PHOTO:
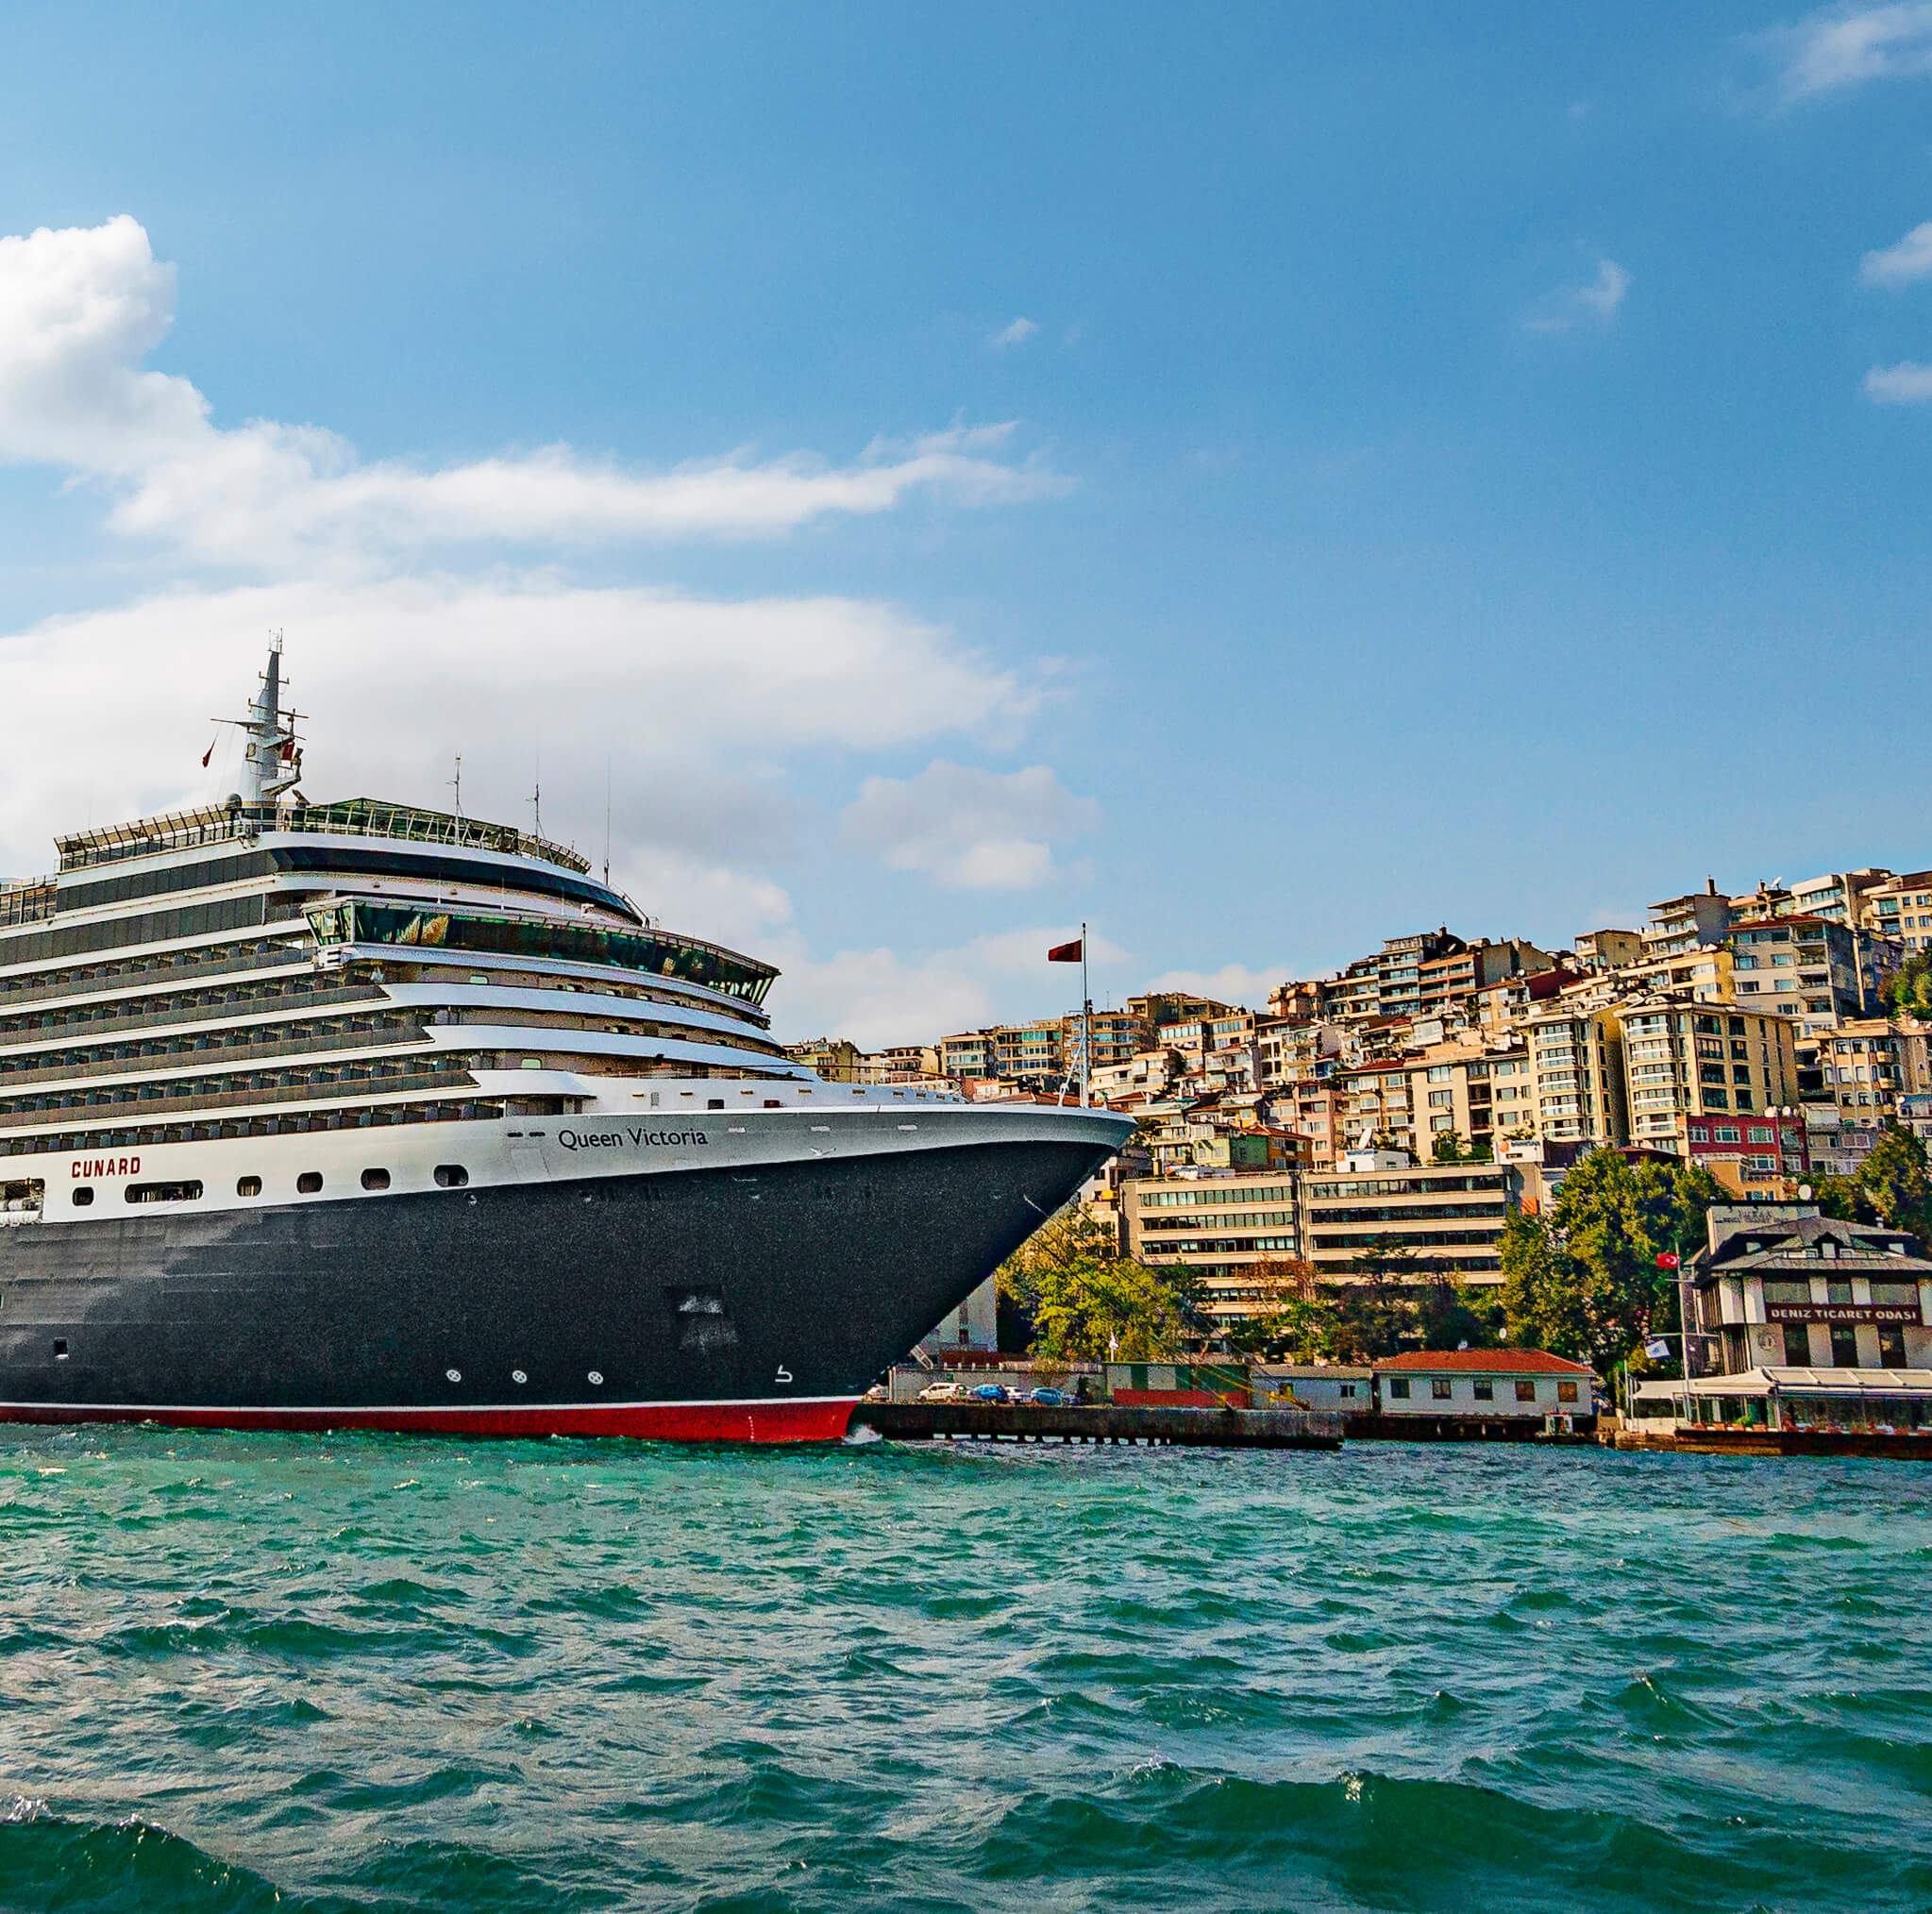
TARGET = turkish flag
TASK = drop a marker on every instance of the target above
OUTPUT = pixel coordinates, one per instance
(1669, 1260)
(1065, 953)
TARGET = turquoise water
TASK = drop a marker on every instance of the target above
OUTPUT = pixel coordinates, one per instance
(245, 1672)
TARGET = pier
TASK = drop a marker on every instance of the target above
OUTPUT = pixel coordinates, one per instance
(1157, 1428)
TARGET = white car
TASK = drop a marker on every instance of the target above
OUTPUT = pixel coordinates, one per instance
(942, 1392)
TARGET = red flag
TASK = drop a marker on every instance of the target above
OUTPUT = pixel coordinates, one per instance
(1669, 1260)
(288, 751)
(1065, 953)
(208, 754)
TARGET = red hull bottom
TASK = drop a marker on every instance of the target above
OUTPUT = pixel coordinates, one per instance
(768, 1421)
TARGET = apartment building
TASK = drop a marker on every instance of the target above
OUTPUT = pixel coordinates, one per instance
(1159, 1008)
(1576, 1063)
(1218, 1226)
(1114, 1036)
(836, 1059)
(1679, 925)
(1389, 983)
(1684, 1060)
(1445, 1218)
(1311, 1111)
(1291, 1050)
(1374, 1102)
(1863, 1077)
(1608, 950)
(1900, 909)
(1470, 1085)
(1816, 972)
(1447, 982)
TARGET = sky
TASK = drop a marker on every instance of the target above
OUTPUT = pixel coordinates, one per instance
(1255, 480)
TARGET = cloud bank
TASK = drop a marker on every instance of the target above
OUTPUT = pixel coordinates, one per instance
(1839, 48)
(81, 308)
(969, 828)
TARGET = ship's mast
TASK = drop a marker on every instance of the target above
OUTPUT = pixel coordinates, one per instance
(272, 762)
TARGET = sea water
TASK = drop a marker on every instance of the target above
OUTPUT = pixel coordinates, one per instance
(244, 1672)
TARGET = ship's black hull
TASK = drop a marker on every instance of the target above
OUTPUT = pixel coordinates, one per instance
(748, 1304)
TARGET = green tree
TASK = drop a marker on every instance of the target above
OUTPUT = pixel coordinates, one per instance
(1291, 1318)
(1448, 1317)
(1841, 1196)
(1585, 1282)
(1908, 992)
(1088, 1302)
(1372, 1311)
(1449, 1147)
(1894, 1177)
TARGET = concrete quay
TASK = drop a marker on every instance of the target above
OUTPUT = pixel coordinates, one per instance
(1102, 1423)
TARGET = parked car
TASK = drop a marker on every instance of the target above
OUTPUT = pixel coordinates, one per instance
(942, 1392)
(992, 1392)
(877, 1393)
(1050, 1399)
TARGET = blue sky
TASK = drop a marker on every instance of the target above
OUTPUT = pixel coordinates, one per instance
(1257, 479)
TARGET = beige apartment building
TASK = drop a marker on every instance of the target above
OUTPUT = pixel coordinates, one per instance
(1608, 950)
(1576, 1060)
(1678, 925)
(1218, 1226)
(1449, 1219)
(1447, 982)
(1683, 1059)
(1481, 1089)
(1900, 908)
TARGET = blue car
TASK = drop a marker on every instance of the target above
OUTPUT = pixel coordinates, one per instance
(1050, 1398)
(991, 1392)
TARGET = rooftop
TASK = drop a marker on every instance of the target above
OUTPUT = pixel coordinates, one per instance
(1499, 1361)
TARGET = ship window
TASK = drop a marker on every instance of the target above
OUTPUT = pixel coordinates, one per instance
(375, 1179)
(60, 1341)
(163, 1192)
(248, 1185)
(82, 1197)
(308, 1182)
(451, 1175)
(713, 1102)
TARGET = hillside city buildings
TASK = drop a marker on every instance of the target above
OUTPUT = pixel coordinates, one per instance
(1412, 1101)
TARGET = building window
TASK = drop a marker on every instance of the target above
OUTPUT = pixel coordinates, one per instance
(1797, 1346)
(1566, 1392)
(1844, 1347)
(1439, 1388)
(1485, 1389)
(1892, 1345)
(1525, 1392)
(1399, 1387)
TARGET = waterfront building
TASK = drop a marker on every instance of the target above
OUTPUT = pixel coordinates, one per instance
(1499, 1384)
(1445, 1218)
(1337, 1389)
(1799, 1320)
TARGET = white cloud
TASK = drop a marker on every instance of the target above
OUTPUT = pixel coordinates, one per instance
(1016, 334)
(1844, 46)
(1231, 983)
(1899, 265)
(1905, 384)
(81, 308)
(697, 707)
(1595, 304)
(876, 998)
(969, 828)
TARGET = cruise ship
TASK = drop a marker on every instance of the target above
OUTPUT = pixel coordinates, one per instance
(362, 1116)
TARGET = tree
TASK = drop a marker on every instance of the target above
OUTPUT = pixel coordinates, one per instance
(1585, 1282)
(1088, 1302)
(1908, 992)
(1371, 1312)
(1291, 1318)
(1448, 1146)
(1894, 1177)
(1843, 1198)
(1447, 1316)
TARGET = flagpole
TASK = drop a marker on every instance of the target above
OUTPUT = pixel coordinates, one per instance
(1087, 1005)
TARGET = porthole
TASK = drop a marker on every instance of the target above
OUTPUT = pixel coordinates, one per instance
(59, 1349)
(375, 1179)
(308, 1182)
(518, 1377)
(451, 1176)
(597, 1379)
(248, 1185)
(452, 1375)
(82, 1197)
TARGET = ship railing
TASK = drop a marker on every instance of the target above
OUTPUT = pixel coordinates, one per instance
(134, 1018)
(14, 994)
(31, 901)
(216, 1057)
(122, 1111)
(350, 817)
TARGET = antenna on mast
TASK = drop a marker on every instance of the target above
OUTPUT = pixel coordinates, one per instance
(272, 761)
(607, 820)
(537, 793)
(457, 781)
